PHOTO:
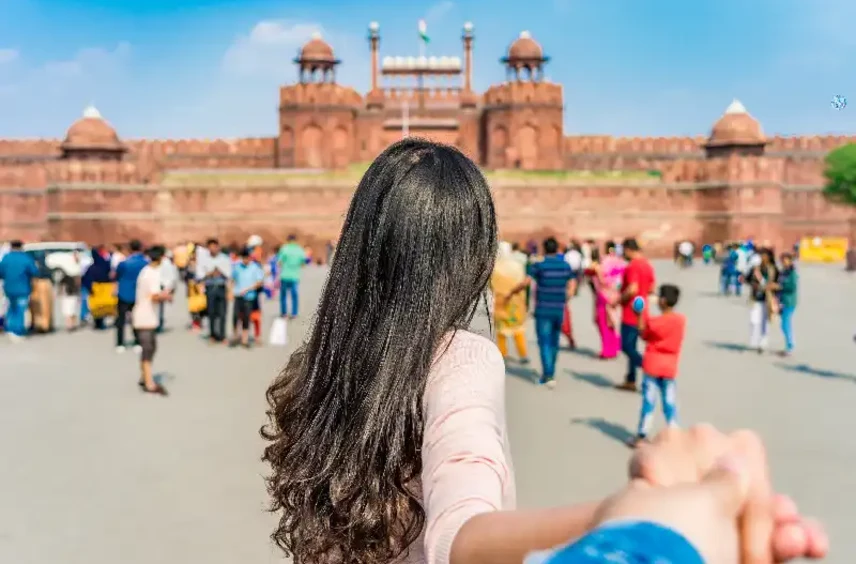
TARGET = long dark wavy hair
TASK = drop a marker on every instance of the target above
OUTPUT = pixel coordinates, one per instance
(345, 421)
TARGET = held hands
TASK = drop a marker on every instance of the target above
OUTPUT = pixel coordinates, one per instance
(715, 489)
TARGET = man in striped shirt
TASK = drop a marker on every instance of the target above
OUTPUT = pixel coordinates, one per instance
(555, 282)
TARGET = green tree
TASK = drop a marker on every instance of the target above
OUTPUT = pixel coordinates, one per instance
(840, 174)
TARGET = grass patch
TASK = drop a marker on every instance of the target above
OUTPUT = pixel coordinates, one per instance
(355, 171)
(575, 175)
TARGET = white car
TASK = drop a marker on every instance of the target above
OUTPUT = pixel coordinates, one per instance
(58, 257)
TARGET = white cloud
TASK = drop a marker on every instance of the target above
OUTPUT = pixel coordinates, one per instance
(8, 55)
(439, 11)
(266, 52)
(268, 46)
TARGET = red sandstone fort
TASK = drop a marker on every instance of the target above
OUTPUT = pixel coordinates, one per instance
(97, 187)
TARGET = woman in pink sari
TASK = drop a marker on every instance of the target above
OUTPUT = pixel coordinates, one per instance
(606, 281)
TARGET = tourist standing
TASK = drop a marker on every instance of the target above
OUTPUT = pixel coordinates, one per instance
(169, 282)
(148, 292)
(69, 293)
(98, 272)
(686, 250)
(291, 259)
(762, 279)
(519, 256)
(554, 283)
(214, 270)
(728, 273)
(788, 283)
(17, 270)
(117, 256)
(255, 246)
(247, 280)
(574, 258)
(742, 264)
(605, 276)
(509, 314)
(126, 274)
(664, 337)
(707, 253)
(638, 281)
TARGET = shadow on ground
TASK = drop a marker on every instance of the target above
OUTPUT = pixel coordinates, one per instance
(733, 347)
(585, 351)
(522, 372)
(598, 380)
(612, 430)
(816, 372)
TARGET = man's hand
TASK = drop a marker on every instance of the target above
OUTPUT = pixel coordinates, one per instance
(771, 528)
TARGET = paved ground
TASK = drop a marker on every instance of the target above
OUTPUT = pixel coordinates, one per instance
(93, 472)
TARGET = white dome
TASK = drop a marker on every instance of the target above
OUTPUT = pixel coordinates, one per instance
(91, 112)
(432, 61)
(422, 61)
(399, 61)
(455, 62)
(388, 62)
(410, 61)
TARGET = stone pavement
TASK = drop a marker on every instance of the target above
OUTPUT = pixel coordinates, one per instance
(94, 472)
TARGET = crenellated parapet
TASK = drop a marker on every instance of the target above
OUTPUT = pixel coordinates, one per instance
(29, 150)
(604, 144)
(519, 93)
(319, 95)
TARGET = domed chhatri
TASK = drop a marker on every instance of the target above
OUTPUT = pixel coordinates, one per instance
(736, 127)
(92, 135)
(525, 59)
(316, 50)
(316, 59)
(525, 49)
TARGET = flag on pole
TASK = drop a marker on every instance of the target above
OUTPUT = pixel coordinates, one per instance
(423, 32)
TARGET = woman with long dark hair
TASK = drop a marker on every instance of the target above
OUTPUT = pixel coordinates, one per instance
(387, 435)
(387, 426)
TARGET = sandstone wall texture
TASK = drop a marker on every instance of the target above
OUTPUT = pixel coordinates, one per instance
(703, 201)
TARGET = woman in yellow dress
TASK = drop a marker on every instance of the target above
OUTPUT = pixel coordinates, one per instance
(509, 313)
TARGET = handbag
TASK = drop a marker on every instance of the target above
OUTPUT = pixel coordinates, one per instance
(278, 336)
(197, 302)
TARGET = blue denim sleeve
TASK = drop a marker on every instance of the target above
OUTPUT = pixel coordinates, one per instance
(626, 542)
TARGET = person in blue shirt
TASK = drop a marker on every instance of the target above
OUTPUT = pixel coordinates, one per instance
(17, 270)
(728, 270)
(127, 273)
(707, 253)
(555, 283)
(247, 280)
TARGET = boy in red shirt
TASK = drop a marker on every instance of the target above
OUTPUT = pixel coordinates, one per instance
(664, 335)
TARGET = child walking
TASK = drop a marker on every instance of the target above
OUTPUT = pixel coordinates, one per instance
(664, 335)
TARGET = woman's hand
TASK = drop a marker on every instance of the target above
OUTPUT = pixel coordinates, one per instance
(706, 513)
(771, 528)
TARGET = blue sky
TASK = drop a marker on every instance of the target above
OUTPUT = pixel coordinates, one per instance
(211, 68)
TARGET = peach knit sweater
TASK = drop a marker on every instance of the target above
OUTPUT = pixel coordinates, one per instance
(466, 463)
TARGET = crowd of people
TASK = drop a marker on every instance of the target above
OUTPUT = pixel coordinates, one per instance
(132, 285)
(773, 288)
(387, 438)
